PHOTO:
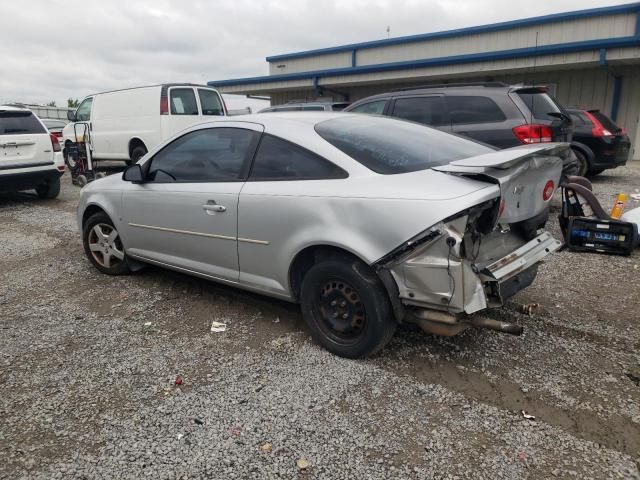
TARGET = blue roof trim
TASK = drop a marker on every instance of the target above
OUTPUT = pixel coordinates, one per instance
(432, 62)
(492, 27)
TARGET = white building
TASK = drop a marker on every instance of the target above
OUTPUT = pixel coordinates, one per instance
(590, 58)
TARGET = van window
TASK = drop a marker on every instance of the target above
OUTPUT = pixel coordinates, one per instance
(316, 108)
(183, 102)
(473, 109)
(83, 113)
(210, 155)
(374, 108)
(210, 102)
(425, 110)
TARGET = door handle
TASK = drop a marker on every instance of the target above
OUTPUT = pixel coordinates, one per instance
(211, 208)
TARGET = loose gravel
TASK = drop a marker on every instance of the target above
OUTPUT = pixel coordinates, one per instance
(120, 377)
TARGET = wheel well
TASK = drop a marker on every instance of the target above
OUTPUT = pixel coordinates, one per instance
(136, 142)
(584, 150)
(307, 258)
(91, 210)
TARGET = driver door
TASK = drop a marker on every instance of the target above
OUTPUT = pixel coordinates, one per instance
(185, 213)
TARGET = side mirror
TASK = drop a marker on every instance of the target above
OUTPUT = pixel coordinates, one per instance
(71, 115)
(133, 174)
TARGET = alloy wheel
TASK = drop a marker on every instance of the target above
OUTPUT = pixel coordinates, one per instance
(105, 245)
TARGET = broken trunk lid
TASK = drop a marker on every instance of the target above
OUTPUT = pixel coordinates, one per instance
(527, 176)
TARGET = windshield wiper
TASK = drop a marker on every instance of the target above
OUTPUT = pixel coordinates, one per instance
(560, 115)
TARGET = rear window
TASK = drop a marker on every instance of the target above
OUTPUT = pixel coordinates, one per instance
(210, 102)
(606, 122)
(540, 105)
(473, 109)
(389, 146)
(336, 107)
(19, 123)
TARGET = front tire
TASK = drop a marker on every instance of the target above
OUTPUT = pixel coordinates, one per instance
(50, 190)
(103, 245)
(347, 308)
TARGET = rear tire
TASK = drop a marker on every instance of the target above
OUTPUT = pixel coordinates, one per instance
(137, 153)
(583, 163)
(103, 247)
(49, 191)
(347, 308)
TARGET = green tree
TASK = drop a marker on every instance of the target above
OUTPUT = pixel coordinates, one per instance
(73, 102)
(51, 104)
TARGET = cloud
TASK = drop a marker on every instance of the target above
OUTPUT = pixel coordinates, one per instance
(56, 49)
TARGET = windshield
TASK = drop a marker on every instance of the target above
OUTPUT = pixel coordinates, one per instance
(391, 146)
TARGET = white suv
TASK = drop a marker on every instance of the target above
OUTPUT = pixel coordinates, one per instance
(30, 156)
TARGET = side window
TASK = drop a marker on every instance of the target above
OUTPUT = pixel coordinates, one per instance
(278, 159)
(372, 108)
(315, 108)
(183, 102)
(474, 110)
(425, 110)
(287, 109)
(83, 113)
(210, 102)
(215, 154)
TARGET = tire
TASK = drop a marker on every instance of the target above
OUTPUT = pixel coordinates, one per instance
(137, 153)
(105, 252)
(597, 171)
(347, 308)
(49, 191)
(583, 163)
(67, 159)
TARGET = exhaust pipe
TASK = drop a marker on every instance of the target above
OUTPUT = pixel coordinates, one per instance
(504, 327)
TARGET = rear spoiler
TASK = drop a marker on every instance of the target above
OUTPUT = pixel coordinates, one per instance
(531, 89)
(503, 159)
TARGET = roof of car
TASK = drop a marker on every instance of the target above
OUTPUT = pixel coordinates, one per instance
(8, 108)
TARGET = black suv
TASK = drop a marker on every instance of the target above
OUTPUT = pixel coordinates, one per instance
(493, 113)
(597, 141)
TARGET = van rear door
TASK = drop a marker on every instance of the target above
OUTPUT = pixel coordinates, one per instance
(182, 111)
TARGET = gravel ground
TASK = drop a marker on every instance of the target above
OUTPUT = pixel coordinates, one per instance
(88, 368)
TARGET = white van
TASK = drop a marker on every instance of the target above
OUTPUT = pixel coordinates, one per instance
(125, 124)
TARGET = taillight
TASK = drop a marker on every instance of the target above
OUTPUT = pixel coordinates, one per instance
(533, 133)
(598, 130)
(164, 106)
(548, 190)
(501, 207)
(57, 134)
(55, 143)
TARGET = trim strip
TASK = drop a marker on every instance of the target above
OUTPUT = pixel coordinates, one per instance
(25, 165)
(558, 48)
(200, 234)
(491, 27)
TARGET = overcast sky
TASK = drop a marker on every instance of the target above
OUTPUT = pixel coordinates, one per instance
(56, 49)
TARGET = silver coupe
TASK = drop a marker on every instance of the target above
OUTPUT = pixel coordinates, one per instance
(366, 221)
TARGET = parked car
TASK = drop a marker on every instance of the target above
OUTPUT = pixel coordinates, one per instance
(125, 124)
(54, 126)
(598, 142)
(307, 106)
(494, 113)
(30, 156)
(365, 221)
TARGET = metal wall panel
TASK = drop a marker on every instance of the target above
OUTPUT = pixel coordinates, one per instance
(307, 64)
(608, 26)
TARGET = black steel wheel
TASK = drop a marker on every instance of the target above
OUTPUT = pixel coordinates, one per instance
(347, 308)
